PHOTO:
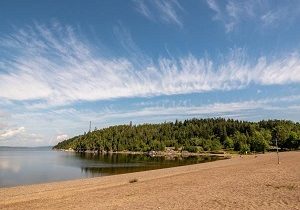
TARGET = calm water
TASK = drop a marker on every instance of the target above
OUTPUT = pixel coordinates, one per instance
(20, 166)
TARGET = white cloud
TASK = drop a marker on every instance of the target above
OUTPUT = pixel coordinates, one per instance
(160, 10)
(23, 86)
(142, 8)
(165, 108)
(11, 132)
(215, 7)
(168, 109)
(126, 41)
(76, 121)
(61, 137)
(269, 18)
(232, 13)
(19, 136)
(55, 68)
(214, 109)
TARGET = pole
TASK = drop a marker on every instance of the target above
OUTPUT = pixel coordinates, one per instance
(277, 152)
(90, 126)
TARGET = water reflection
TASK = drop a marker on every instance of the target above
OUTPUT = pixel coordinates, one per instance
(22, 166)
(126, 163)
(9, 166)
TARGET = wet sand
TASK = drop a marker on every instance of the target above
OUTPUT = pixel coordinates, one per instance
(248, 182)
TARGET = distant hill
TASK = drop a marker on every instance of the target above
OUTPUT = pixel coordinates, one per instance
(194, 135)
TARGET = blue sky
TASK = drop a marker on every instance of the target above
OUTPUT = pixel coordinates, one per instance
(65, 63)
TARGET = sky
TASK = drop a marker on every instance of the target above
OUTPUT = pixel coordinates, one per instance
(65, 63)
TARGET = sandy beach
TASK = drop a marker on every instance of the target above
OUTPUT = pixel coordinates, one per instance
(247, 182)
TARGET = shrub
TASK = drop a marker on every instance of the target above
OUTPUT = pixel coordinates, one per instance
(228, 143)
(244, 148)
(191, 149)
(258, 142)
(215, 145)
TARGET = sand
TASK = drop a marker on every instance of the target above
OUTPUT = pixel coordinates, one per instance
(248, 182)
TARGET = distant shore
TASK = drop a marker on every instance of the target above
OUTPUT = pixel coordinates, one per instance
(243, 182)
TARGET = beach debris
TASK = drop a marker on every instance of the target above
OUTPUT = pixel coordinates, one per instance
(133, 180)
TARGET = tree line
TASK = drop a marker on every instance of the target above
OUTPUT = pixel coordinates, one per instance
(194, 135)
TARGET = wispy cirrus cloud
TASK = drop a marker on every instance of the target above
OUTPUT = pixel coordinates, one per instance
(184, 109)
(51, 66)
(75, 121)
(270, 17)
(143, 9)
(71, 118)
(162, 11)
(232, 12)
(124, 37)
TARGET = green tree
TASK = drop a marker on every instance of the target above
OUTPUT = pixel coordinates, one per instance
(239, 139)
(293, 141)
(229, 143)
(258, 142)
(280, 133)
(206, 134)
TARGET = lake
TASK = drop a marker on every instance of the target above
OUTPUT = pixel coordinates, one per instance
(22, 166)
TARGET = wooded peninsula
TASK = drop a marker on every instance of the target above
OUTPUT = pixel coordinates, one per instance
(194, 135)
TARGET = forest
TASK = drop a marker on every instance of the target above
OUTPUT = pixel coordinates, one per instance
(193, 135)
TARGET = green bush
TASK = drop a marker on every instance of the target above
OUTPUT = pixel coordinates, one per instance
(245, 148)
(193, 149)
(258, 142)
(228, 143)
(157, 146)
(215, 145)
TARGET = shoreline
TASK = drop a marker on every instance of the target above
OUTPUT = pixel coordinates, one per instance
(170, 153)
(252, 181)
